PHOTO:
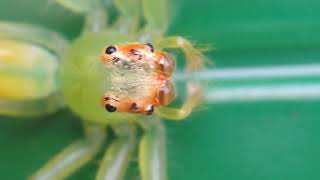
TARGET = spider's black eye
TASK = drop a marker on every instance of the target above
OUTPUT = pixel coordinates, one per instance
(150, 110)
(151, 46)
(134, 106)
(110, 50)
(110, 108)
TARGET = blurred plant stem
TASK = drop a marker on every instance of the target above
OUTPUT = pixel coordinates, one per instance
(251, 84)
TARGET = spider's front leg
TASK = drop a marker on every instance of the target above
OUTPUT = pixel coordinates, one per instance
(74, 156)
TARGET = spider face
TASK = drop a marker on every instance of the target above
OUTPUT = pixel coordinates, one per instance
(139, 78)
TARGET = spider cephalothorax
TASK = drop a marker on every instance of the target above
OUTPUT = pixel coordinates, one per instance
(139, 78)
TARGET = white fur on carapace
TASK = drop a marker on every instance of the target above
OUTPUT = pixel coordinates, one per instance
(130, 77)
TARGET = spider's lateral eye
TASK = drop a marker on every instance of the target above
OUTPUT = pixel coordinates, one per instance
(110, 108)
(151, 46)
(134, 106)
(150, 110)
(110, 50)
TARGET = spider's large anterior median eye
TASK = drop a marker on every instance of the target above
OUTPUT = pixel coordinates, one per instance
(110, 50)
(151, 47)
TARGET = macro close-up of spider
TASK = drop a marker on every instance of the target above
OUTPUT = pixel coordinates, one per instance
(159, 89)
(118, 89)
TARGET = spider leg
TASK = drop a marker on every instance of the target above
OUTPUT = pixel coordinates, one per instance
(95, 16)
(152, 153)
(193, 100)
(78, 6)
(156, 14)
(130, 12)
(74, 156)
(117, 158)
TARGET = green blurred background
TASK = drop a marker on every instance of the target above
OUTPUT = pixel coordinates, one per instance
(275, 140)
